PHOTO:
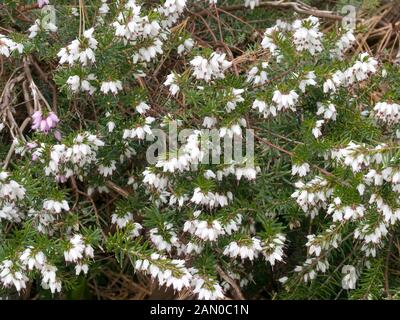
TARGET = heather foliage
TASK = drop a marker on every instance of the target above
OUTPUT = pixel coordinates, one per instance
(312, 211)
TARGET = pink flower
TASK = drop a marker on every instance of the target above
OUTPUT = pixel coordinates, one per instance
(42, 3)
(57, 135)
(44, 124)
(61, 178)
(31, 145)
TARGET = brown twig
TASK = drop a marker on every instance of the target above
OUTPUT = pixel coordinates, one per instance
(117, 189)
(235, 287)
(291, 154)
(296, 6)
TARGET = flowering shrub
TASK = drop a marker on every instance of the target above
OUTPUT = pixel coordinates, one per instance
(314, 209)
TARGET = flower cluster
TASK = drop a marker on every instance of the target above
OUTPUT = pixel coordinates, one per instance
(95, 176)
(80, 50)
(65, 161)
(79, 252)
(211, 68)
(41, 26)
(8, 46)
(11, 192)
(44, 124)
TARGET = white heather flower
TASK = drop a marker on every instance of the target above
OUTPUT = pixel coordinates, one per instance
(142, 107)
(49, 278)
(174, 162)
(264, 109)
(300, 170)
(104, 9)
(236, 98)
(207, 289)
(75, 12)
(81, 153)
(283, 280)
(178, 200)
(285, 101)
(76, 250)
(107, 170)
(81, 268)
(233, 224)
(89, 251)
(4, 175)
(371, 234)
(340, 212)
(211, 199)
(111, 126)
(172, 9)
(247, 172)
(140, 131)
(252, 3)
(329, 111)
(10, 212)
(307, 36)
(313, 248)
(178, 277)
(311, 267)
(361, 70)
(41, 25)
(388, 113)
(130, 25)
(345, 42)
(234, 129)
(350, 278)
(309, 80)
(172, 83)
(338, 78)
(155, 180)
(209, 122)
(268, 40)
(81, 50)
(208, 231)
(361, 189)
(160, 242)
(210, 69)
(245, 251)
(313, 195)
(55, 206)
(356, 157)
(329, 85)
(257, 75)
(111, 86)
(149, 53)
(373, 177)
(325, 241)
(121, 220)
(76, 84)
(32, 259)
(136, 228)
(186, 46)
(11, 274)
(272, 248)
(7, 46)
(190, 248)
(316, 131)
(209, 174)
(12, 191)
